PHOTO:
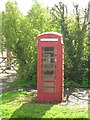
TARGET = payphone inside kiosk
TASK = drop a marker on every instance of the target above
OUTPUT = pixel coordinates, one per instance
(50, 68)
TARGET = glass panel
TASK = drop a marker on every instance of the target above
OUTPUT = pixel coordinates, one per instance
(48, 48)
(48, 65)
(48, 55)
(49, 90)
(48, 72)
(49, 78)
(49, 84)
(52, 60)
(48, 60)
(48, 69)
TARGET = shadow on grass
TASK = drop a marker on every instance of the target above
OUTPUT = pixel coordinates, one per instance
(31, 110)
(10, 96)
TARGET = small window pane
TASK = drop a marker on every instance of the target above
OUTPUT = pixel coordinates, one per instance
(48, 55)
(49, 90)
(52, 60)
(48, 65)
(48, 72)
(48, 78)
(48, 48)
(49, 84)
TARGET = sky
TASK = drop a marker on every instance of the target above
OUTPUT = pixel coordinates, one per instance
(25, 5)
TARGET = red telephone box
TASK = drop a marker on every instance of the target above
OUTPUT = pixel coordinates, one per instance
(50, 68)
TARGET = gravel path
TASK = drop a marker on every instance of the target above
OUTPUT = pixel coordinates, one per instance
(6, 79)
(76, 97)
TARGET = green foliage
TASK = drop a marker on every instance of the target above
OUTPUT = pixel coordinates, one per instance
(22, 84)
(71, 84)
(74, 30)
(19, 36)
(84, 83)
(21, 40)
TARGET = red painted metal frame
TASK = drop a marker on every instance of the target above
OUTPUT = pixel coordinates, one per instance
(58, 95)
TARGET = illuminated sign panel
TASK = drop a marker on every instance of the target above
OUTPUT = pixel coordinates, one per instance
(48, 39)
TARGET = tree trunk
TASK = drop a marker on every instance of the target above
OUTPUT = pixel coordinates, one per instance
(8, 65)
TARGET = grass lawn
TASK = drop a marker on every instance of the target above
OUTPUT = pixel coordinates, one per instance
(22, 104)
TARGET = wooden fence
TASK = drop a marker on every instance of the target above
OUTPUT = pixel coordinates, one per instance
(8, 67)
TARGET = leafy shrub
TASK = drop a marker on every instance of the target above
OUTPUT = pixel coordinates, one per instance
(71, 84)
(85, 83)
(19, 34)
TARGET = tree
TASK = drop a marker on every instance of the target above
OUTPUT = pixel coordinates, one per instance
(21, 37)
(20, 33)
(0, 30)
(74, 28)
(9, 29)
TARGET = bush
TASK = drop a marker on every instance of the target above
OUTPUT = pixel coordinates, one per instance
(85, 83)
(27, 59)
(71, 84)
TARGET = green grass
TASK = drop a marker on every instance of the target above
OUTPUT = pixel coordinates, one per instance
(22, 104)
(21, 83)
